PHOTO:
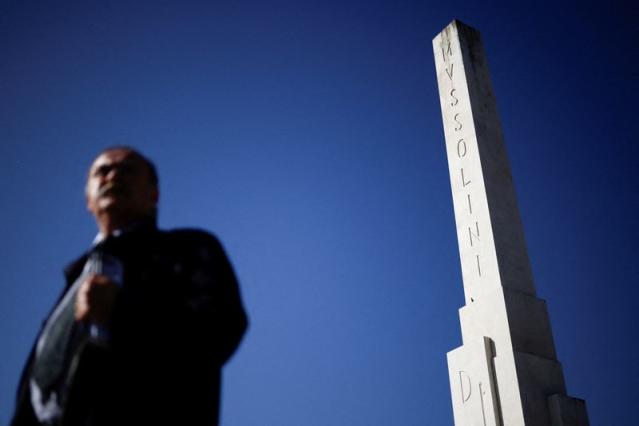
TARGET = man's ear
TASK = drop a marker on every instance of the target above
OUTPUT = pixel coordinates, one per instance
(86, 199)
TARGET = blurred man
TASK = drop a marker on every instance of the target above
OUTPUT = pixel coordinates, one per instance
(146, 320)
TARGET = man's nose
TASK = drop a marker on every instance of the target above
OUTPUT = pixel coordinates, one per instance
(111, 175)
(114, 173)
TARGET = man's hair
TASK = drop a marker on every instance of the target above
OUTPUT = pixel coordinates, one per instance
(151, 169)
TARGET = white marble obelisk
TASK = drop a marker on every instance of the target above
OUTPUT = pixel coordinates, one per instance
(506, 371)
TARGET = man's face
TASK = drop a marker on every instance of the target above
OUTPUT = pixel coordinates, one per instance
(119, 185)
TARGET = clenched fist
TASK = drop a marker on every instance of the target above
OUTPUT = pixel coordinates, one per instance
(95, 299)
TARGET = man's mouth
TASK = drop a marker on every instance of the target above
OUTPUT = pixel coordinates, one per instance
(110, 189)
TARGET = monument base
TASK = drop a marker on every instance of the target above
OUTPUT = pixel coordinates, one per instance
(474, 374)
(567, 411)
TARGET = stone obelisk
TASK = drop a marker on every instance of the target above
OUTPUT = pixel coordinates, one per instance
(506, 372)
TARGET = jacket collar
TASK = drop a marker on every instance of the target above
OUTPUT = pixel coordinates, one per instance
(141, 224)
(74, 269)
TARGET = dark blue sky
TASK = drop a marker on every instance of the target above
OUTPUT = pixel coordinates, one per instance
(308, 137)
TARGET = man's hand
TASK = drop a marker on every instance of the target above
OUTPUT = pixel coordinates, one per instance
(95, 299)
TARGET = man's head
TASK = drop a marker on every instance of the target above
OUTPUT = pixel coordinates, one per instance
(122, 187)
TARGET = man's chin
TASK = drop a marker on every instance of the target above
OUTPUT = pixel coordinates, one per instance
(110, 205)
(107, 201)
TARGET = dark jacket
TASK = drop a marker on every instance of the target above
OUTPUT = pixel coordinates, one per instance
(177, 319)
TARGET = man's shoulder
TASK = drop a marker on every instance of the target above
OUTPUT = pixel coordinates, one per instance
(190, 237)
(188, 245)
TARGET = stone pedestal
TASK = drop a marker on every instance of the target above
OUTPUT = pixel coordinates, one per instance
(506, 372)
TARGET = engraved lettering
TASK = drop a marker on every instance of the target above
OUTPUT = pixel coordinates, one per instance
(465, 385)
(478, 266)
(450, 52)
(456, 101)
(450, 73)
(464, 182)
(470, 206)
(461, 148)
(458, 122)
(471, 234)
